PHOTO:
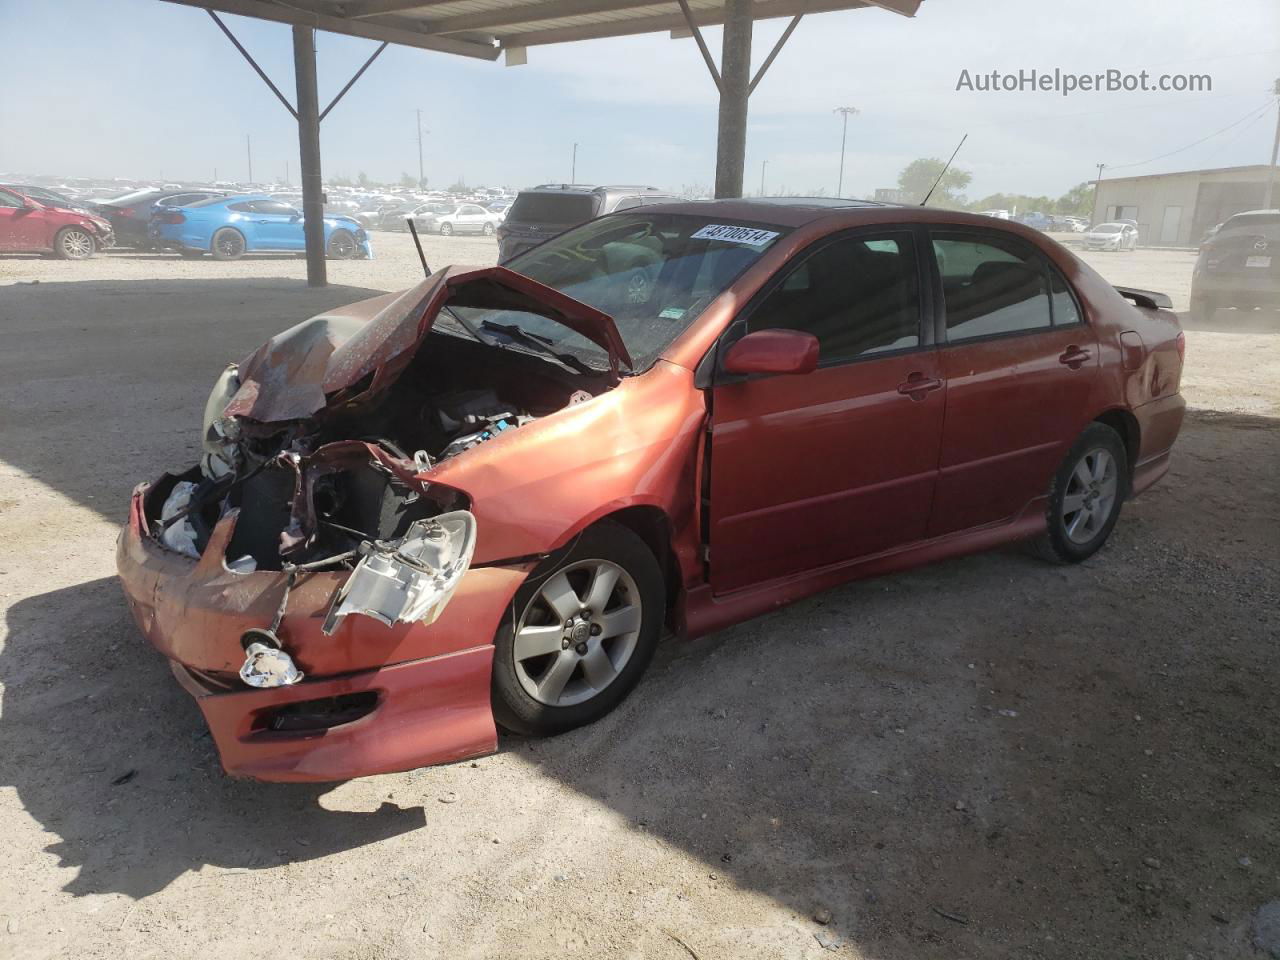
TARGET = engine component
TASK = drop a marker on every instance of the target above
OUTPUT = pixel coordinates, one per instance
(411, 579)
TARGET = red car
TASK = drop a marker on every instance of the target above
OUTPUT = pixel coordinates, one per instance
(28, 225)
(486, 498)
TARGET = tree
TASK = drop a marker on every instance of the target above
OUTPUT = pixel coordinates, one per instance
(362, 178)
(918, 177)
(1078, 201)
(408, 181)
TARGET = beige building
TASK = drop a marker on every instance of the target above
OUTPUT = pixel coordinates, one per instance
(1175, 209)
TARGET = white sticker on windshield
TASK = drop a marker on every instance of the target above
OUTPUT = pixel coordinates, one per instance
(732, 234)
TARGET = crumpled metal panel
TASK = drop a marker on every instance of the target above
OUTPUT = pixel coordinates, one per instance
(297, 373)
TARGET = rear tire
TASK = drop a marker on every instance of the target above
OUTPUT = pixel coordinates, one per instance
(72, 243)
(553, 668)
(1085, 496)
(1202, 309)
(228, 244)
(446, 230)
(488, 230)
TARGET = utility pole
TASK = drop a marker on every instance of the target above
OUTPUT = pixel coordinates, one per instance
(845, 113)
(763, 165)
(573, 166)
(1094, 218)
(1275, 150)
(248, 149)
(422, 179)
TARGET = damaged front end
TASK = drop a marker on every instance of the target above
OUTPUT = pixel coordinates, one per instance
(307, 576)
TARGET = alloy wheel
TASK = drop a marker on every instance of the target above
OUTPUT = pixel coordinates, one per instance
(77, 245)
(342, 246)
(577, 633)
(1090, 495)
(230, 244)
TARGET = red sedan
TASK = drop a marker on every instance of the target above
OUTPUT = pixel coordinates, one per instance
(487, 497)
(29, 225)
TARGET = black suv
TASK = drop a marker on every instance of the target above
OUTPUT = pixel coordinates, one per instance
(542, 212)
(1239, 266)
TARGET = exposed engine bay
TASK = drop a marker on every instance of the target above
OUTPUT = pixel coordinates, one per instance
(310, 493)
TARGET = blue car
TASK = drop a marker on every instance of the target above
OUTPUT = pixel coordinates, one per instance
(230, 227)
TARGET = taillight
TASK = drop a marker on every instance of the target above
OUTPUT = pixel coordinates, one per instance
(1181, 344)
(172, 217)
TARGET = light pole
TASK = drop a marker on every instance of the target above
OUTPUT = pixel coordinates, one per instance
(845, 113)
(422, 179)
(763, 165)
(248, 149)
(1275, 150)
(573, 165)
(1093, 214)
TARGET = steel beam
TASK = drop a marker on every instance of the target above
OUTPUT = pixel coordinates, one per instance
(400, 32)
(773, 54)
(735, 83)
(304, 65)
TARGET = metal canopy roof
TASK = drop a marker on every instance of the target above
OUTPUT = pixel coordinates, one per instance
(485, 28)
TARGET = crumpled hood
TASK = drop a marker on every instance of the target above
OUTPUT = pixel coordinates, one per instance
(362, 349)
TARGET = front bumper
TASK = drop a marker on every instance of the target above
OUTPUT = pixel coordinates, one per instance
(430, 684)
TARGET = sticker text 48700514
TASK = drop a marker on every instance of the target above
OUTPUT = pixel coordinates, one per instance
(733, 234)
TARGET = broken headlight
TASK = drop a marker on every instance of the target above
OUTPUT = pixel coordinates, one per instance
(220, 433)
(410, 579)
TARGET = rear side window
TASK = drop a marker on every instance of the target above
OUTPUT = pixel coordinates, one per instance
(552, 208)
(243, 206)
(859, 296)
(993, 286)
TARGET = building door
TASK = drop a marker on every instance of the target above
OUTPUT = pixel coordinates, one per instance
(1171, 224)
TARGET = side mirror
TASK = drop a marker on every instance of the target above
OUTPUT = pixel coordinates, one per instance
(773, 351)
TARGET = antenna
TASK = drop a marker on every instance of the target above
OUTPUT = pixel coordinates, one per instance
(418, 243)
(945, 168)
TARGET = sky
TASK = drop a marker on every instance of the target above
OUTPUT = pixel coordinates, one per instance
(147, 89)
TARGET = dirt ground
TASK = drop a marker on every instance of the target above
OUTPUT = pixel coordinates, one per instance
(987, 758)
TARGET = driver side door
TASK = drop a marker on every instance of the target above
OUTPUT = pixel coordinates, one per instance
(277, 226)
(818, 469)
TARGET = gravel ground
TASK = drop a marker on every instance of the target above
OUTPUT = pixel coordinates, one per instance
(990, 757)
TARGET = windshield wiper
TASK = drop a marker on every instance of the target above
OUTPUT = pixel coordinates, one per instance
(466, 325)
(539, 343)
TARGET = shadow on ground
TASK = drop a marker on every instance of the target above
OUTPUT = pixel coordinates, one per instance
(991, 757)
(110, 384)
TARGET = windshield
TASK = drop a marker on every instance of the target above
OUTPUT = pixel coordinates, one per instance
(652, 273)
(1107, 228)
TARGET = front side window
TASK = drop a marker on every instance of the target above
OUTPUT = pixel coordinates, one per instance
(859, 296)
(9, 200)
(991, 286)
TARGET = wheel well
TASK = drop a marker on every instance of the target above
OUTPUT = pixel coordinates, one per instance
(1126, 424)
(652, 526)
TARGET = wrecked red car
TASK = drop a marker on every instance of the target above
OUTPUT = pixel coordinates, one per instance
(484, 499)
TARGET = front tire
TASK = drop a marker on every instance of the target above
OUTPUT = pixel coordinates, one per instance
(228, 244)
(1085, 496)
(342, 245)
(72, 243)
(446, 230)
(585, 628)
(488, 230)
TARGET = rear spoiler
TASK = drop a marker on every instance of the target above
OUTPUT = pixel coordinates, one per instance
(1146, 298)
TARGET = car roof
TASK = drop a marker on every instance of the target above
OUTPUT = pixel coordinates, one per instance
(798, 211)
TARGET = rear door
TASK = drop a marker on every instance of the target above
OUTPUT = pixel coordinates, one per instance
(471, 218)
(1020, 365)
(816, 469)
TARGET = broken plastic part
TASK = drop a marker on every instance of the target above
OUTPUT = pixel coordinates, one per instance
(220, 433)
(265, 664)
(411, 579)
(180, 534)
(245, 564)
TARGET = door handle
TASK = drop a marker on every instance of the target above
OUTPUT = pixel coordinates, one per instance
(1074, 357)
(917, 385)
